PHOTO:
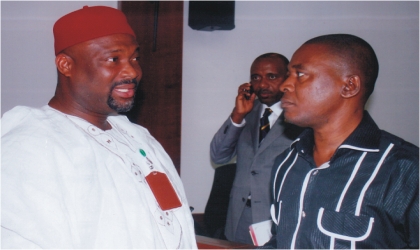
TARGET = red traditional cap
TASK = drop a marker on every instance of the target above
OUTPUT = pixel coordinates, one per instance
(87, 24)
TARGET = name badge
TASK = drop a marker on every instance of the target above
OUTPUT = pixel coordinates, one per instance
(163, 190)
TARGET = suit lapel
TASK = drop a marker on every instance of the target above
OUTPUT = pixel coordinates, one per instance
(274, 133)
(254, 120)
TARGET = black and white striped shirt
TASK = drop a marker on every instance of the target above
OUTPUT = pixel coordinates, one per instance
(366, 196)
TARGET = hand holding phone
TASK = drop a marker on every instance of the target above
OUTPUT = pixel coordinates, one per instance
(250, 91)
(243, 103)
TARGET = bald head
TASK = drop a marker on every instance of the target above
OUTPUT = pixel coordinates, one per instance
(356, 53)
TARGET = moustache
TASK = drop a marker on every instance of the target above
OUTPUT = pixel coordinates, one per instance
(263, 91)
(125, 82)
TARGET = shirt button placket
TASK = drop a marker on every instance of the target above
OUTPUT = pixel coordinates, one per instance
(314, 173)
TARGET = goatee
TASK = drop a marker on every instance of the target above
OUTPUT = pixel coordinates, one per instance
(118, 106)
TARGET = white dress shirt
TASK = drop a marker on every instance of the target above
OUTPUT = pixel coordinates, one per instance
(272, 118)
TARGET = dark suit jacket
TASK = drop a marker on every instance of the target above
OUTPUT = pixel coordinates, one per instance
(254, 163)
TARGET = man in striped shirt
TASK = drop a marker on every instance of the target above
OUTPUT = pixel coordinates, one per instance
(344, 183)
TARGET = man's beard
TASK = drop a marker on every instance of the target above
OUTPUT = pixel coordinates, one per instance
(121, 107)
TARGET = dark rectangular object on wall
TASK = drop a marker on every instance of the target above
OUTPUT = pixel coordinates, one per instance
(211, 15)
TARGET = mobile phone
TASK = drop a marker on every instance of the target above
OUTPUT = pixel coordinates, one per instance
(250, 91)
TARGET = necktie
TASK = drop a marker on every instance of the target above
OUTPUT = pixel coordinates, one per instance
(264, 123)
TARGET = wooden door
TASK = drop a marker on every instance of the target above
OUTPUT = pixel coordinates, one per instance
(158, 26)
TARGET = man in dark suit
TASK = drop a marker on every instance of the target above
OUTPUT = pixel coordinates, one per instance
(255, 133)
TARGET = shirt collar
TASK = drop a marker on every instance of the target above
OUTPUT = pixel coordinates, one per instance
(364, 138)
(275, 108)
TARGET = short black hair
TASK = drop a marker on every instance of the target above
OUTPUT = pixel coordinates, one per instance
(274, 55)
(358, 54)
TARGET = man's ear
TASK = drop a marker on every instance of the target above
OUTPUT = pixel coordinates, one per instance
(64, 64)
(351, 87)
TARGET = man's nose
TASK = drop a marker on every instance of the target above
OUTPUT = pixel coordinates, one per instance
(263, 83)
(286, 85)
(132, 71)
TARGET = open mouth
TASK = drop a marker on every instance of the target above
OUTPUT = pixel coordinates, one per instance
(124, 91)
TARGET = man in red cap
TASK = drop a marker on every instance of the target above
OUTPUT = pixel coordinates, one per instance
(75, 173)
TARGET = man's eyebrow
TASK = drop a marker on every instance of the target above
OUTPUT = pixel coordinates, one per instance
(297, 66)
(114, 50)
(137, 50)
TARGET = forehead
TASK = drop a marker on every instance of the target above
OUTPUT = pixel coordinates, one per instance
(116, 42)
(313, 54)
(270, 63)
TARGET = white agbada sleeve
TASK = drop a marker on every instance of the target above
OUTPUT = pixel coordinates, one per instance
(61, 190)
